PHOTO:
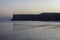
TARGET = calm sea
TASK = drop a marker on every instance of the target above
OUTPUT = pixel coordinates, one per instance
(29, 30)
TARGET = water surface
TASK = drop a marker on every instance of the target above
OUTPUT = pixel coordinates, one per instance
(29, 30)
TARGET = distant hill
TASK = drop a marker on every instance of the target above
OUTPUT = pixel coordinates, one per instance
(40, 17)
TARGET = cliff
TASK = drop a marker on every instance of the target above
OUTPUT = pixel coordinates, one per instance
(39, 17)
(24, 17)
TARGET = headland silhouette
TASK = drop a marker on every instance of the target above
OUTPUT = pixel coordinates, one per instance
(47, 16)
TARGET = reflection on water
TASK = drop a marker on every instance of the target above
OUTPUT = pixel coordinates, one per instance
(24, 27)
(30, 30)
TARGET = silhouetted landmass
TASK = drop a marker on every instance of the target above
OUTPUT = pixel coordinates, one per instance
(40, 17)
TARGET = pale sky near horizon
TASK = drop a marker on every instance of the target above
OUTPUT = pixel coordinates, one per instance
(9, 7)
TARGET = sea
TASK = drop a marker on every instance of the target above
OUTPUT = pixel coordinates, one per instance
(29, 30)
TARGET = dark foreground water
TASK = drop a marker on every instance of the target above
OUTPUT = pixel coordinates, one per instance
(29, 30)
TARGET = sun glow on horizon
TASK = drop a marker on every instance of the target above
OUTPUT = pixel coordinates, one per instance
(9, 7)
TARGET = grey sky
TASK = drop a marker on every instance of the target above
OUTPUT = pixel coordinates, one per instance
(9, 7)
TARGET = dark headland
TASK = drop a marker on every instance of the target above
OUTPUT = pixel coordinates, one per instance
(39, 17)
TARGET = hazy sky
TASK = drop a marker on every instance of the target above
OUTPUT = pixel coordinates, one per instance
(8, 7)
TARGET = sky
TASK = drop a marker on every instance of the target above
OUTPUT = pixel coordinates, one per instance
(10, 7)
